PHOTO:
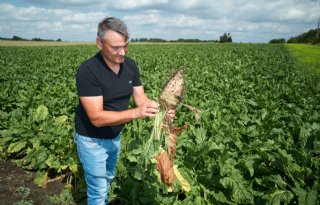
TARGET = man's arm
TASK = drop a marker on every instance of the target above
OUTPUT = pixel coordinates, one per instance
(100, 118)
(140, 98)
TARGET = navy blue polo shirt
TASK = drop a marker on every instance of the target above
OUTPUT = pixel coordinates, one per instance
(95, 78)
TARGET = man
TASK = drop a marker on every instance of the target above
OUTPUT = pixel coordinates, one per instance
(105, 84)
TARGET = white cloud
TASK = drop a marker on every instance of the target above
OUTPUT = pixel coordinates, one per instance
(134, 4)
(170, 19)
(64, 3)
(30, 22)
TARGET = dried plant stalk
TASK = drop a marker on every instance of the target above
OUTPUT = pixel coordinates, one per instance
(170, 97)
(173, 90)
(165, 167)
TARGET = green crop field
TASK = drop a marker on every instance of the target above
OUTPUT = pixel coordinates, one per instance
(257, 141)
(307, 54)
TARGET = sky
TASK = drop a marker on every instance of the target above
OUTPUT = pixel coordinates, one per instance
(255, 21)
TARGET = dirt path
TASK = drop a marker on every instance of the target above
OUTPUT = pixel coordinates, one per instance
(15, 183)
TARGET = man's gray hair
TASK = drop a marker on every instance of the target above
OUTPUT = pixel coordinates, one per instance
(114, 24)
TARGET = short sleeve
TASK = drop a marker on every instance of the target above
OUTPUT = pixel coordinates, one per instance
(136, 78)
(86, 82)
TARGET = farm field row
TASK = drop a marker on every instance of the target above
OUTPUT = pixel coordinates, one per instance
(257, 141)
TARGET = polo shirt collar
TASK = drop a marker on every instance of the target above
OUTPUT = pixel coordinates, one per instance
(101, 59)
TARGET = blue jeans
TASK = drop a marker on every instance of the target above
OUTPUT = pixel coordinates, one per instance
(99, 158)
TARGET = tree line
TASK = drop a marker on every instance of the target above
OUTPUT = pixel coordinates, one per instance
(225, 38)
(159, 40)
(17, 38)
(311, 37)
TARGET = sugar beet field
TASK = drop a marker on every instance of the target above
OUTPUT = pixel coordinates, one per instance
(257, 141)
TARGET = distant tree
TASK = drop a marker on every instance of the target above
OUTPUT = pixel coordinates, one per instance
(36, 39)
(143, 40)
(292, 40)
(17, 38)
(3, 38)
(156, 40)
(279, 40)
(59, 40)
(310, 36)
(190, 40)
(225, 38)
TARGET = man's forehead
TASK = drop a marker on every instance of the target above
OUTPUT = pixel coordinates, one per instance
(114, 34)
(115, 44)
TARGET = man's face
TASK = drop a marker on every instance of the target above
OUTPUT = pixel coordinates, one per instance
(114, 47)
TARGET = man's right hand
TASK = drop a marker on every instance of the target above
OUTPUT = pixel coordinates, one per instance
(147, 109)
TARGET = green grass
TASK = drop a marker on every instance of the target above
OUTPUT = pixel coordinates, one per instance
(307, 54)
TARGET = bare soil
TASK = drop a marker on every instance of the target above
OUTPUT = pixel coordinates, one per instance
(14, 178)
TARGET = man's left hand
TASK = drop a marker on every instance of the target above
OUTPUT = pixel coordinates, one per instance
(171, 114)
